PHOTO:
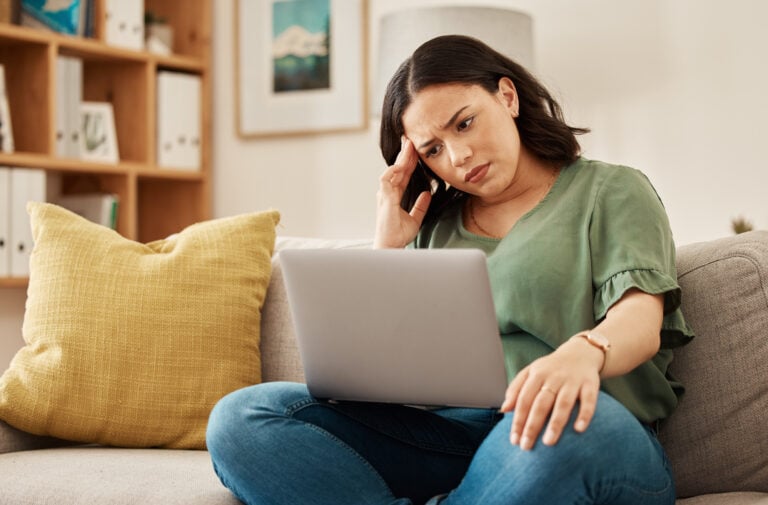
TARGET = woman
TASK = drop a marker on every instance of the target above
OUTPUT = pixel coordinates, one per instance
(582, 269)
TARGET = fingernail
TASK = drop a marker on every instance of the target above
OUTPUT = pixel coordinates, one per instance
(580, 425)
(526, 444)
(549, 438)
(514, 439)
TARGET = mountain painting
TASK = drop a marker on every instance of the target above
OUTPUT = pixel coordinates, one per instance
(301, 45)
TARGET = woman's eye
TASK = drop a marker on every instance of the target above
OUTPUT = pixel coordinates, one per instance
(434, 151)
(465, 124)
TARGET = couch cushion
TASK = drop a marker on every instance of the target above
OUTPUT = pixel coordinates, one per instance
(726, 499)
(132, 344)
(79, 475)
(716, 440)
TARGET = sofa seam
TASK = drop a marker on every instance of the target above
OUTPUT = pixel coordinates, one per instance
(756, 264)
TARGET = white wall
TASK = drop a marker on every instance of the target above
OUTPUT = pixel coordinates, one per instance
(676, 88)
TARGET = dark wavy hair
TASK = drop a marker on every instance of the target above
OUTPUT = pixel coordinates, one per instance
(465, 60)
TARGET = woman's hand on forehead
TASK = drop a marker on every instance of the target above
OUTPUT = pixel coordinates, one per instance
(394, 226)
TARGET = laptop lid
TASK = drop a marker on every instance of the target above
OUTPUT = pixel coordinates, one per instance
(396, 326)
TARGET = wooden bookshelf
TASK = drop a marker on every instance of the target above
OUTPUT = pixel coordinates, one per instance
(154, 202)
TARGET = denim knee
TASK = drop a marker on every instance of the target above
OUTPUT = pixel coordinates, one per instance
(236, 416)
(612, 425)
(263, 453)
(615, 455)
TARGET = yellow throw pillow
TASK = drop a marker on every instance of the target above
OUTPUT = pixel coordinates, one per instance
(132, 344)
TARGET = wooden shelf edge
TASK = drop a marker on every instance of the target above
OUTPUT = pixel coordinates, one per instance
(88, 47)
(34, 160)
(16, 32)
(13, 282)
(173, 174)
(178, 62)
(142, 170)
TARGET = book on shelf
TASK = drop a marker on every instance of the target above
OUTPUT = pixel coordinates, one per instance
(63, 16)
(100, 208)
(88, 29)
(6, 130)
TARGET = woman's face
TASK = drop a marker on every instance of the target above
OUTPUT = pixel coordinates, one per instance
(466, 135)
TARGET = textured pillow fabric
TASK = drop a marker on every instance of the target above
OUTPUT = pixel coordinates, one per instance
(132, 344)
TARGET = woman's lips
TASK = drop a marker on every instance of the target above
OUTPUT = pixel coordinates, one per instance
(476, 174)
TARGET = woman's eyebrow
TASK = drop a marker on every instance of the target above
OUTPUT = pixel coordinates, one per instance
(446, 125)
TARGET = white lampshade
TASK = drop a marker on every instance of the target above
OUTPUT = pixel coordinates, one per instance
(508, 31)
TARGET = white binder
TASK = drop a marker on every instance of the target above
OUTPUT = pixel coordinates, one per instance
(69, 92)
(62, 97)
(178, 121)
(124, 24)
(27, 184)
(5, 222)
(75, 97)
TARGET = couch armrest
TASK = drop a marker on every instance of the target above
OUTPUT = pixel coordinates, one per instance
(13, 440)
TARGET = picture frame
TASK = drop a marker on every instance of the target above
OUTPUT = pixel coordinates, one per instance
(300, 66)
(98, 139)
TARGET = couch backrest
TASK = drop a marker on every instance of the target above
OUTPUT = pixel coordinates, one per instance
(278, 340)
(717, 440)
(280, 355)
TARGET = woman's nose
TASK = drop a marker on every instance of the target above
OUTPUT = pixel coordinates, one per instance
(459, 153)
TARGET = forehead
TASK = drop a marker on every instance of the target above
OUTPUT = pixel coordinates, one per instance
(434, 105)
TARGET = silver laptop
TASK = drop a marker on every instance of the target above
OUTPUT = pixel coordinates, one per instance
(414, 327)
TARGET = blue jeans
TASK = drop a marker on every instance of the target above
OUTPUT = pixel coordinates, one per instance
(275, 444)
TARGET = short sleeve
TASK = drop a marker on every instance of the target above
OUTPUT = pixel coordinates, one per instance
(632, 247)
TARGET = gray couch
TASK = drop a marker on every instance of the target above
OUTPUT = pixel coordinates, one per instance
(717, 440)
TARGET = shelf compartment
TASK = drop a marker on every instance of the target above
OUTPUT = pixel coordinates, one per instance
(70, 183)
(124, 84)
(191, 24)
(167, 206)
(27, 80)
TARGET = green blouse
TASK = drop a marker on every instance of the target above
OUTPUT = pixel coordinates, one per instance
(600, 231)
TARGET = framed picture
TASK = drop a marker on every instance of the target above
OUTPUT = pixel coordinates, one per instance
(301, 66)
(98, 140)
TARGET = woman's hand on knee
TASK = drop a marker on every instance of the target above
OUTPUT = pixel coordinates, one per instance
(549, 388)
